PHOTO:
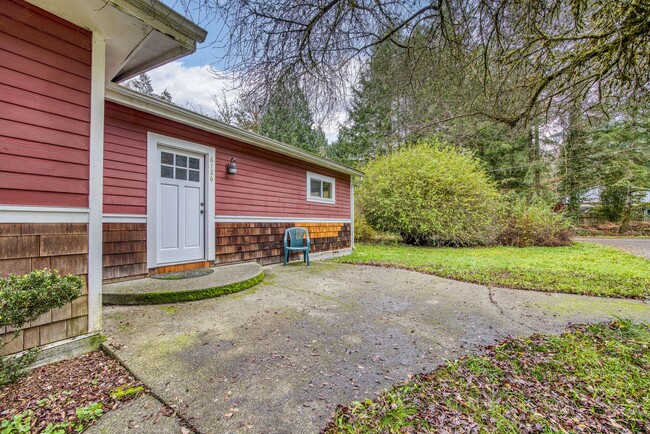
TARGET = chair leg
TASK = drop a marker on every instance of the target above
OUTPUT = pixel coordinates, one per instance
(307, 255)
(286, 257)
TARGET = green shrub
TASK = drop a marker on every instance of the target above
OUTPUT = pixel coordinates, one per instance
(363, 232)
(24, 299)
(534, 223)
(431, 194)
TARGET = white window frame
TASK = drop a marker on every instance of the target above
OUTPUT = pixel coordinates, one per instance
(322, 178)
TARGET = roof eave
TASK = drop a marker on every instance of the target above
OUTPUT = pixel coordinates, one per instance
(158, 11)
(127, 97)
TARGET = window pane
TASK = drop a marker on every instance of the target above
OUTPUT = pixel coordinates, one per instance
(194, 175)
(327, 190)
(194, 163)
(166, 172)
(166, 158)
(181, 174)
(315, 188)
(181, 161)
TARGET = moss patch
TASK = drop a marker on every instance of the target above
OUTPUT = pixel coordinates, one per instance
(181, 296)
(121, 394)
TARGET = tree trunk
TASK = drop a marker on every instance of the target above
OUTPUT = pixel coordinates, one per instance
(627, 212)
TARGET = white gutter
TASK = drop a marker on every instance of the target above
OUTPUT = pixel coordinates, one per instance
(154, 11)
(130, 98)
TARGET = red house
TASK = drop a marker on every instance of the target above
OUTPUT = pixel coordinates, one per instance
(101, 181)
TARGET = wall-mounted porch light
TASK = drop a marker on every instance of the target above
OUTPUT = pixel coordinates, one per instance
(231, 168)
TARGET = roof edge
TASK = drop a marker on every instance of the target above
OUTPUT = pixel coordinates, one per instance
(168, 16)
(130, 98)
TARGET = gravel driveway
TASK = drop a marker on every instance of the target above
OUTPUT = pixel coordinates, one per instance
(635, 246)
(280, 357)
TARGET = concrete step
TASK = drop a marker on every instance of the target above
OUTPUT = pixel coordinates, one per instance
(224, 280)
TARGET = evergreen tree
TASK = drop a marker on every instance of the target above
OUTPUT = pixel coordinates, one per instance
(166, 96)
(142, 84)
(368, 131)
(402, 99)
(288, 119)
(621, 165)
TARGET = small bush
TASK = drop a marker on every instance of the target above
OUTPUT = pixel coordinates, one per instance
(431, 194)
(534, 224)
(363, 232)
(24, 299)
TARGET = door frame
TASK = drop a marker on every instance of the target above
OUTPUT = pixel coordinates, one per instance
(153, 177)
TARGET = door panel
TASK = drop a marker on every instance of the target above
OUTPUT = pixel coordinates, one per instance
(181, 199)
(169, 216)
(192, 217)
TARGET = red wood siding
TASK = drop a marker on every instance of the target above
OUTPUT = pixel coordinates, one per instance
(45, 69)
(267, 184)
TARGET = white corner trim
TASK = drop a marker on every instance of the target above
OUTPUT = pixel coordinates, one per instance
(124, 218)
(96, 183)
(322, 178)
(42, 214)
(153, 140)
(351, 214)
(255, 219)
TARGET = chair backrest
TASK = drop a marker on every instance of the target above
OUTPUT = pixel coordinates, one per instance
(296, 235)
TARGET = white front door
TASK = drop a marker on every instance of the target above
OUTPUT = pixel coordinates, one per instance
(181, 206)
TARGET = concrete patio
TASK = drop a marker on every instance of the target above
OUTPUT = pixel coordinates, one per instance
(281, 356)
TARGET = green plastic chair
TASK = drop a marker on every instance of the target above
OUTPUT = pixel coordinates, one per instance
(293, 242)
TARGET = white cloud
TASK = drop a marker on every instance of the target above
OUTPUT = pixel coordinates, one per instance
(331, 128)
(195, 86)
(192, 86)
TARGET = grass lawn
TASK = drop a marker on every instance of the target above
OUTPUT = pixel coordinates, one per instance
(582, 268)
(590, 379)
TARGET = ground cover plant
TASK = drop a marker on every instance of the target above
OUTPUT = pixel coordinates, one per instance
(66, 396)
(592, 378)
(581, 268)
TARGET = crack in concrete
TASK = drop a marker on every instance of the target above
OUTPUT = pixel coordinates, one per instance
(491, 297)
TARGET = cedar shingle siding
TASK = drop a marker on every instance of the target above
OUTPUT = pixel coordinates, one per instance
(59, 246)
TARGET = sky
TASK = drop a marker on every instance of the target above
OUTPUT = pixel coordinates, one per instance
(191, 80)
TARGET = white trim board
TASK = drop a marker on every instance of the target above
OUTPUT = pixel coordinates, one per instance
(124, 218)
(253, 219)
(96, 183)
(352, 215)
(42, 214)
(153, 140)
(140, 218)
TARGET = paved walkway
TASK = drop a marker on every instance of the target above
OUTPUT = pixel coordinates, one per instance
(635, 246)
(279, 357)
